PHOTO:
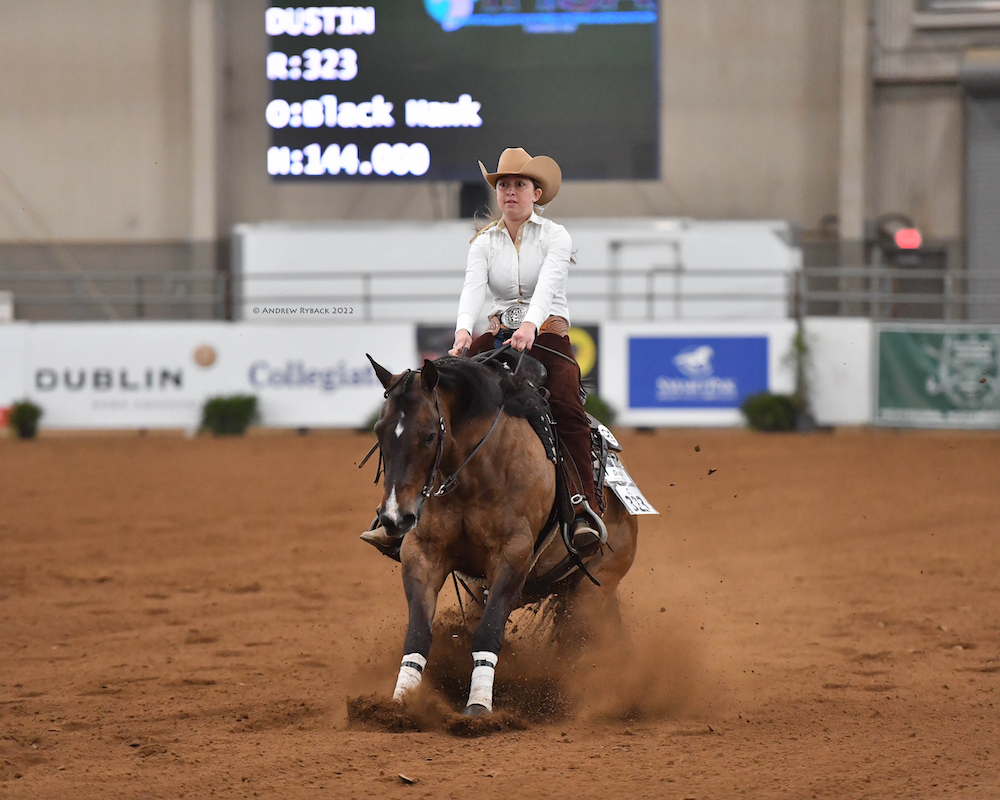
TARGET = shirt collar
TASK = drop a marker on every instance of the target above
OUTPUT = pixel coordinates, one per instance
(499, 226)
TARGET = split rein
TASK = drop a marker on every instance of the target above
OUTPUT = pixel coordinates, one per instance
(451, 481)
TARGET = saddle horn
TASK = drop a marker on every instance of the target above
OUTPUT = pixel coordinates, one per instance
(383, 375)
(428, 375)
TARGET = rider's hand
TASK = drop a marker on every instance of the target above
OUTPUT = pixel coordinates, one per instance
(463, 339)
(523, 337)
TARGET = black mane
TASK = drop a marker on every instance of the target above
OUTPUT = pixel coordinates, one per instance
(476, 388)
(482, 387)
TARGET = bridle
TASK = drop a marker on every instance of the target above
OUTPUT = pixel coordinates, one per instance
(448, 484)
(442, 430)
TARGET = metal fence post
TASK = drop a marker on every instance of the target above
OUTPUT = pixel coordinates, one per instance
(615, 247)
(650, 302)
(366, 295)
(78, 298)
(137, 292)
(948, 292)
(181, 294)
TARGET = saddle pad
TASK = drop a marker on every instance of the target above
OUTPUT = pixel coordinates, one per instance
(621, 483)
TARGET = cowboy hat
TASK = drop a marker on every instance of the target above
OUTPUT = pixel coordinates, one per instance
(516, 161)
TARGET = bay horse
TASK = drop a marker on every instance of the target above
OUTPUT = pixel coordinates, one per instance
(468, 482)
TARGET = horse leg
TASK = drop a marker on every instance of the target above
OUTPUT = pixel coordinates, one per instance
(422, 581)
(487, 639)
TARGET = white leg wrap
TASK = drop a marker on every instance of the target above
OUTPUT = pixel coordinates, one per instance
(483, 670)
(409, 675)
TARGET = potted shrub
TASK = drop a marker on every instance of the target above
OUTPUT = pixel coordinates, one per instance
(23, 418)
(771, 412)
(785, 412)
(599, 409)
(229, 416)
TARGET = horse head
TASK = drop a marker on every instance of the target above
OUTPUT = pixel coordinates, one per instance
(410, 434)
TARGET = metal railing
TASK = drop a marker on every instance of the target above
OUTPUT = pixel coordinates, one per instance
(113, 295)
(658, 292)
(887, 292)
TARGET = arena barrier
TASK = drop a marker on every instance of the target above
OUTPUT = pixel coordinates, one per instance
(937, 375)
(158, 374)
(698, 373)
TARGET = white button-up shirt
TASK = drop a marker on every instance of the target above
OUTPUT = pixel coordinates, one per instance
(533, 272)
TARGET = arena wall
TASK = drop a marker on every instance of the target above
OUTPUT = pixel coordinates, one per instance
(101, 133)
(141, 121)
(158, 375)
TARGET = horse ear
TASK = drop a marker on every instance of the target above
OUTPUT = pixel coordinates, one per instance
(383, 375)
(428, 376)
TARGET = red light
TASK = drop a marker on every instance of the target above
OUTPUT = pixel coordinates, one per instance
(908, 238)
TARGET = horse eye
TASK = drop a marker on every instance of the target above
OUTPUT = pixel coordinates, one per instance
(430, 438)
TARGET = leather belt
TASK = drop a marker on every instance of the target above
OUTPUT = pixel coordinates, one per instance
(556, 325)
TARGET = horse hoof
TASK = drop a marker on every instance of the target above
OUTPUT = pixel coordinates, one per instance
(476, 710)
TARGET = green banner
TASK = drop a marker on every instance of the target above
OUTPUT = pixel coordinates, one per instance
(938, 376)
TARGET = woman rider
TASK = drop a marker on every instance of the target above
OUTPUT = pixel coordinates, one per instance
(524, 261)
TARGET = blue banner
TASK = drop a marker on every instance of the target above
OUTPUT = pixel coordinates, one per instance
(703, 372)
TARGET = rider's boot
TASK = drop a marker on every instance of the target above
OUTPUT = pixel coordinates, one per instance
(379, 538)
(588, 532)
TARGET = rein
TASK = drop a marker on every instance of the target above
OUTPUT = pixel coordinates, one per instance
(563, 356)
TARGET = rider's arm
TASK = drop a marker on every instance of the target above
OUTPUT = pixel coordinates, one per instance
(558, 248)
(474, 290)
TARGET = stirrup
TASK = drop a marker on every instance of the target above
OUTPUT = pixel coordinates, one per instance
(588, 531)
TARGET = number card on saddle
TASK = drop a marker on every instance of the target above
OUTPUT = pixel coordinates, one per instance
(608, 469)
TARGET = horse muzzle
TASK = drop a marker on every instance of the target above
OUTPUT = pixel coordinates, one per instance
(397, 527)
(397, 520)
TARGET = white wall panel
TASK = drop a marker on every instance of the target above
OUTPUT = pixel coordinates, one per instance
(688, 254)
(840, 373)
(13, 351)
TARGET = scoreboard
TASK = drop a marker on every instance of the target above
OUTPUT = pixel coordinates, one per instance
(424, 89)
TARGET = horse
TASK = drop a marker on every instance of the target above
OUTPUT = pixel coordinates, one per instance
(469, 484)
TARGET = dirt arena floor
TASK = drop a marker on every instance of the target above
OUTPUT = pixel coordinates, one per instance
(811, 616)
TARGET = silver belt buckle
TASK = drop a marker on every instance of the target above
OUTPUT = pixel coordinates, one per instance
(514, 316)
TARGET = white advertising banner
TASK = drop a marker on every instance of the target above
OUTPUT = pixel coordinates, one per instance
(122, 375)
(314, 376)
(158, 375)
(692, 373)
